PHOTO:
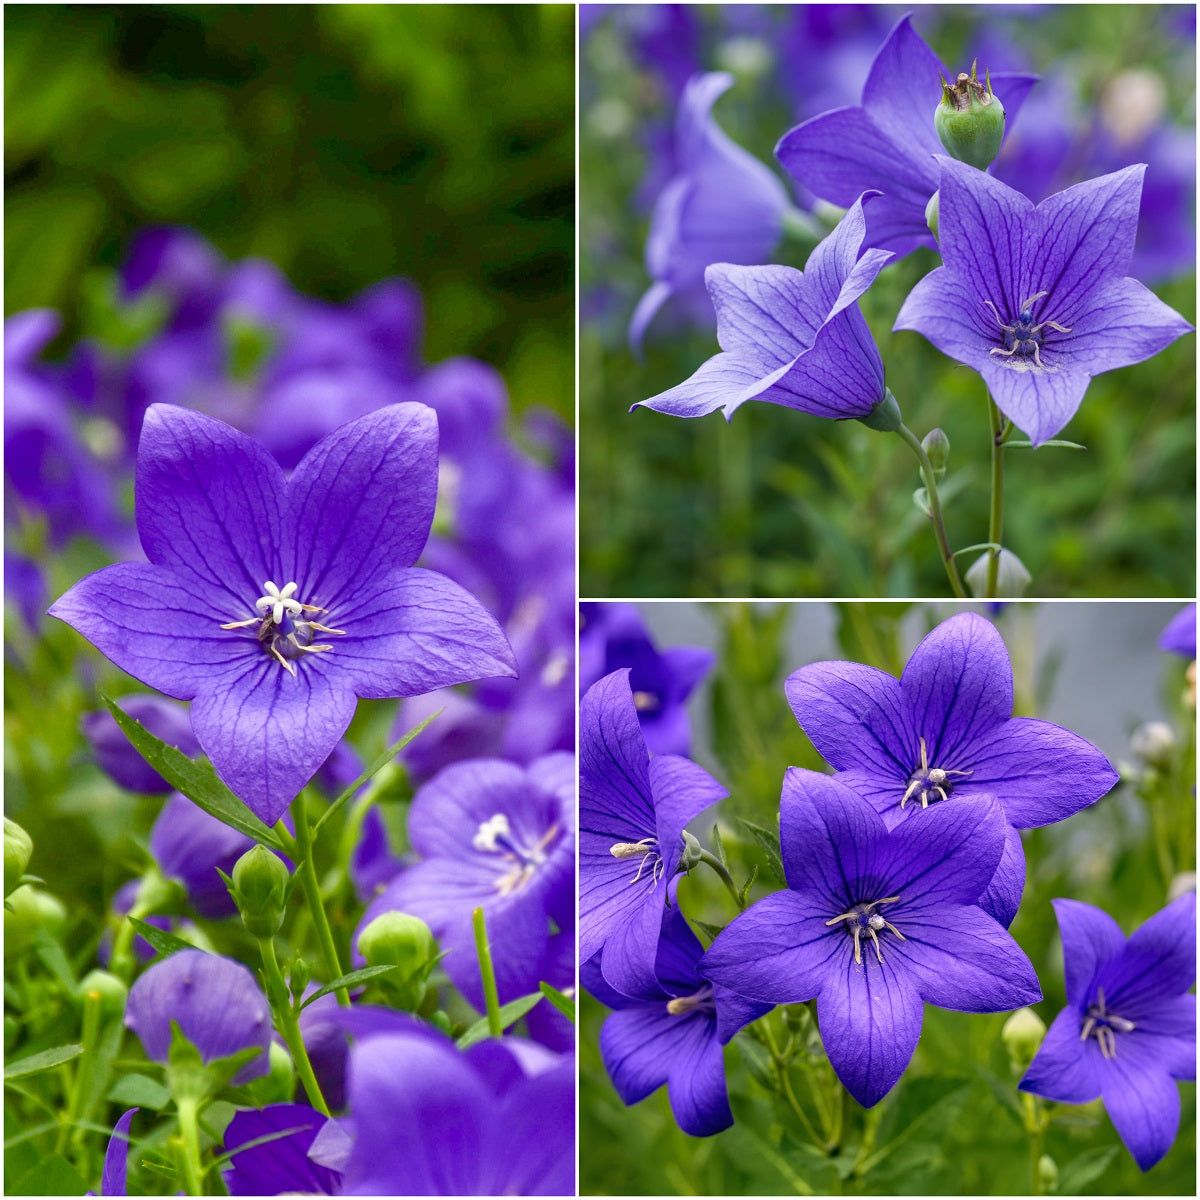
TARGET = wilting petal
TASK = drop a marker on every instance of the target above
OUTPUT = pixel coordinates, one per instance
(1144, 1107)
(1090, 938)
(1064, 1068)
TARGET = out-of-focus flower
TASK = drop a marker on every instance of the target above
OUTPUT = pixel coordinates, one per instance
(1129, 1029)
(280, 1165)
(25, 587)
(114, 752)
(1179, 637)
(113, 1181)
(190, 846)
(1037, 299)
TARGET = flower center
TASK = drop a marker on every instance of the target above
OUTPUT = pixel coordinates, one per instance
(284, 630)
(680, 1006)
(863, 921)
(1104, 1026)
(1023, 337)
(520, 862)
(645, 701)
(647, 851)
(929, 782)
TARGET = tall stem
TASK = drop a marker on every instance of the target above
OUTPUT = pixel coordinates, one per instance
(312, 896)
(189, 1132)
(935, 509)
(996, 515)
(288, 1025)
(487, 974)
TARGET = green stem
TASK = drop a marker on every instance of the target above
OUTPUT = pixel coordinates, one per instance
(785, 1081)
(311, 887)
(189, 1132)
(1035, 1129)
(89, 1036)
(711, 860)
(911, 440)
(289, 1026)
(487, 974)
(996, 514)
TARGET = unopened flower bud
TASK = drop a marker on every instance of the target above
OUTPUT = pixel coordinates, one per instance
(932, 212)
(1022, 1035)
(260, 882)
(398, 939)
(110, 991)
(1153, 743)
(689, 857)
(18, 849)
(278, 1085)
(1048, 1173)
(1012, 578)
(29, 912)
(969, 120)
(937, 447)
(298, 979)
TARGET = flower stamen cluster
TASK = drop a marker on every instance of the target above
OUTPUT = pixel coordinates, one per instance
(862, 919)
(680, 1006)
(644, 849)
(495, 836)
(1104, 1026)
(925, 780)
(282, 629)
(1024, 336)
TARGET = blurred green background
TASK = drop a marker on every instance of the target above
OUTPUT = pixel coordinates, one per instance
(952, 1126)
(345, 143)
(783, 504)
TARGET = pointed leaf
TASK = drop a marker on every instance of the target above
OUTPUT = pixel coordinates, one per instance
(564, 1004)
(45, 1060)
(165, 943)
(346, 981)
(510, 1013)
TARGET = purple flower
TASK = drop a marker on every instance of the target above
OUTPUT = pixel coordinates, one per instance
(1129, 1028)
(546, 1025)
(721, 205)
(116, 1157)
(943, 732)
(114, 752)
(1037, 298)
(25, 587)
(888, 143)
(875, 924)
(1179, 637)
(430, 1120)
(613, 636)
(632, 812)
(672, 1032)
(215, 1001)
(792, 338)
(282, 1165)
(496, 836)
(123, 901)
(191, 846)
(273, 604)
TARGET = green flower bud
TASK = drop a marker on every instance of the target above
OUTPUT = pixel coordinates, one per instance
(400, 940)
(937, 445)
(298, 979)
(441, 1020)
(1012, 578)
(260, 887)
(1048, 1173)
(1022, 1035)
(108, 989)
(1182, 884)
(28, 912)
(689, 857)
(932, 212)
(969, 119)
(18, 849)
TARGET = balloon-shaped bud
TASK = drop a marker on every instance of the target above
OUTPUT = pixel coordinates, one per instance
(400, 940)
(937, 446)
(969, 119)
(18, 849)
(260, 888)
(106, 989)
(932, 211)
(1022, 1036)
(1012, 577)
(28, 912)
(1154, 743)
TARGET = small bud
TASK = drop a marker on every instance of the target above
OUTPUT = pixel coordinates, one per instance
(1022, 1035)
(18, 850)
(299, 977)
(405, 942)
(1048, 1173)
(1153, 743)
(932, 212)
(969, 119)
(441, 1021)
(690, 855)
(885, 417)
(28, 912)
(1012, 578)
(106, 987)
(278, 1085)
(937, 446)
(260, 886)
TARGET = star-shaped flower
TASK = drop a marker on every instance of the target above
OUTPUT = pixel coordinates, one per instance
(1037, 299)
(875, 925)
(273, 603)
(632, 813)
(672, 1032)
(789, 337)
(888, 142)
(945, 731)
(1129, 1029)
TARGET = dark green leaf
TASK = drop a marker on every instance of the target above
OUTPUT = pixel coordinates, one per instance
(744, 894)
(345, 981)
(54, 1177)
(139, 1091)
(768, 843)
(719, 846)
(165, 943)
(511, 1012)
(45, 1060)
(564, 1004)
(1085, 1169)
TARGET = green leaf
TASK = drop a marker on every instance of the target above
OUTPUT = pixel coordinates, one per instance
(345, 981)
(54, 1177)
(46, 1060)
(1086, 1169)
(165, 943)
(196, 780)
(711, 930)
(719, 846)
(768, 843)
(744, 894)
(139, 1091)
(564, 1004)
(1024, 445)
(510, 1013)
(375, 767)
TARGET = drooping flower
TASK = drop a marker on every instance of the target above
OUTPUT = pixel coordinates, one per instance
(273, 669)
(945, 731)
(1179, 637)
(114, 752)
(215, 1001)
(721, 205)
(1129, 1029)
(280, 1166)
(1037, 299)
(875, 924)
(497, 836)
(888, 142)
(612, 636)
(632, 813)
(791, 338)
(672, 1032)
(430, 1120)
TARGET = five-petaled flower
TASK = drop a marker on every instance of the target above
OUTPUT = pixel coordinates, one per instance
(792, 338)
(272, 603)
(944, 731)
(1037, 299)
(874, 925)
(1129, 1029)
(672, 1032)
(632, 813)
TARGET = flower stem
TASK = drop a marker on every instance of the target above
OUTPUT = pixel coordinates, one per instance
(935, 508)
(312, 896)
(717, 865)
(1035, 1128)
(189, 1132)
(288, 1025)
(996, 514)
(487, 974)
(782, 1073)
(90, 1035)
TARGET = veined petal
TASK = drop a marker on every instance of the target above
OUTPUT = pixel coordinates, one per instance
(638, 1045)
(735, 1012)
(631, 945)
(697, 1080)
(1164, 1035)
(1003, 895)
(1038, 402)
(608, 895)
(765, 314)
(904, 75)
(1064, 1068)
(682, 791)
(1090, 938)
(1144, 1106)
(1159, 959)
(724, 381)
(946, 311)
(532, 1136)
(615, 798)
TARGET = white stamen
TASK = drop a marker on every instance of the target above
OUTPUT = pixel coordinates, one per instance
(493, 828)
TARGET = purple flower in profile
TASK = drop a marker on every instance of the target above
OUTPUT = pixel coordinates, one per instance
(190, 846)
(1037, 299)
(273, 604)
(888, 142)
(612, 636)
(945, 731)
(721, 205)
(1129, 1029)
(280, 1166)
(215, 1001)
(672, 1032)
(114, 752)
(430, 1120)
(876, 924)
(494, 835)
(792, 338)
(632, 813)
(1179, 637)
(113, 1181)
